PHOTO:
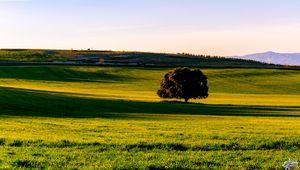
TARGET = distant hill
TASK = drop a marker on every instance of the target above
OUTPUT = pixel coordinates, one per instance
(274, 58)
(35, 56)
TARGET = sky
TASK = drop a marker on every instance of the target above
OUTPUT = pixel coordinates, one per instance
(213, 27)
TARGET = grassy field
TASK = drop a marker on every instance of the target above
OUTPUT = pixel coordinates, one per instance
(59, 117)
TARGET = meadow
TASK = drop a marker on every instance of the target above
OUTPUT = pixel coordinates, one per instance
(71, 117)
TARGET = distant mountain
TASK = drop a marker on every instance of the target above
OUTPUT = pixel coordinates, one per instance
(274, 58)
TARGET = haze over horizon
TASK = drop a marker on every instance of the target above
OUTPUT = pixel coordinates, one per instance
(231, 28)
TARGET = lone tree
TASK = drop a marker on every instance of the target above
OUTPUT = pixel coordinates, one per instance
(184, 83)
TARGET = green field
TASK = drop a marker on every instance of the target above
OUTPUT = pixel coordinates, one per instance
(59, 117)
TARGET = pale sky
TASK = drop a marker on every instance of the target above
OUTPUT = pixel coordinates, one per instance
(215, 27)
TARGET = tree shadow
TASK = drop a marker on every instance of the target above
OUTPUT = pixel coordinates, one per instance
(21, 102)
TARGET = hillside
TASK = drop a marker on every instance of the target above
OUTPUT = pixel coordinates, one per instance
(226, 86)
(120, 58)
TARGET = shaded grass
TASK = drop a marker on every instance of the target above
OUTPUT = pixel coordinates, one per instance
(20, 102)
(28, 164)
(232, 145)
(62, 74)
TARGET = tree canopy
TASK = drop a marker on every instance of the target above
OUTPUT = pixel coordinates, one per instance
(184, 83)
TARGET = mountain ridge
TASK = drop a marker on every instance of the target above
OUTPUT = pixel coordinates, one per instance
(272, 57)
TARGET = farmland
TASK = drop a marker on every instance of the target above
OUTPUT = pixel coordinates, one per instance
(71, 117)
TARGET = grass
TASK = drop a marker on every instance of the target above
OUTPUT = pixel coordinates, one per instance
(227, 86)
(110, 118)
(27, 55)
(149, 141)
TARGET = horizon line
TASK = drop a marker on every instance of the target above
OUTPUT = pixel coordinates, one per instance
(156, 52)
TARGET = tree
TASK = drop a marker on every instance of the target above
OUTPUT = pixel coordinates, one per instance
(184, 83)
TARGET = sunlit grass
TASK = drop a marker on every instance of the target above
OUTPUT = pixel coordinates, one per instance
(111, 118)
(174, 141)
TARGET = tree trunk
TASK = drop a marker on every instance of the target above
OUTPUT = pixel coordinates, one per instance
(186, 100)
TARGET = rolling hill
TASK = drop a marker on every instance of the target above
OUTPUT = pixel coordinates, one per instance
(9, 56)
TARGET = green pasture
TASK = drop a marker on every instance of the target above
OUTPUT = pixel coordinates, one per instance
(59, 117)
(227, 86)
